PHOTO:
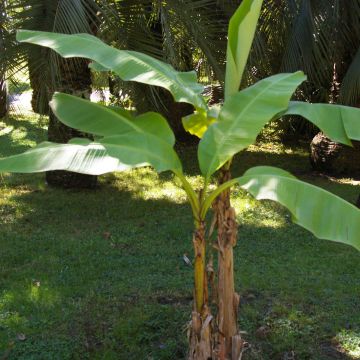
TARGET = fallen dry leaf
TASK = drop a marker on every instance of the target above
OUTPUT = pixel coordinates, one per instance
(21, 337)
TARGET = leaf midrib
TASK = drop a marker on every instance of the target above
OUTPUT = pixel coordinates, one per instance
(350, 206)
(92, 146)
(162, 66)
(295, 180)
(221, 143)
(103, 108)
(139, 150)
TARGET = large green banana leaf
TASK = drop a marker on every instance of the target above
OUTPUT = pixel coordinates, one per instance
(339, 123)
(326, 215)
(241, 32)
(128, 114)
(243, 116)
(88, 158)
(112, 153)
(136, 149)
(97, 119)
(129, 65)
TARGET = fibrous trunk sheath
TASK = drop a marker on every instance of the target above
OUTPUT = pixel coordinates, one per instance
(229, 342)
(216, 339)
(200, 330)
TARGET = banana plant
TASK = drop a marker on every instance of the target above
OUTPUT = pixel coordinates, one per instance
(126, 141)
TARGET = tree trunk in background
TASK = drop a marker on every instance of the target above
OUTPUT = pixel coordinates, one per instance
(74, 79)
(174, 112)
(3, 98)
(40, 93)
(323, 153)
(49, 72)
(143, 98)
(215, 94)
(148, 98)
(330, 157)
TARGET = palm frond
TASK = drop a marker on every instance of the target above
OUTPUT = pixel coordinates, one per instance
(350, 87)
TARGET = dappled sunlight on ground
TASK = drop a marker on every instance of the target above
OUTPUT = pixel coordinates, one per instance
(12, 210)
(21, 133)
(349, 341)
(4, 129)
(15, 305)
(172, 190)
(340, 180)
(146, 184)
(33, 292)
(258, 213)
(276, 148)
(20, 104)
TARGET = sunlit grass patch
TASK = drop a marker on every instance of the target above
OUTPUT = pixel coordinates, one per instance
(145, 183)
(258, 213)
(276, 148)
(20, 133)
(349, 340)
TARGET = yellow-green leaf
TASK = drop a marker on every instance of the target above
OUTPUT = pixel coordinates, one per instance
(197, 123)
(241, 32)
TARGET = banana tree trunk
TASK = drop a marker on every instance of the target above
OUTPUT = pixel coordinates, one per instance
(200, 332)
(216, 338)
(229, 342)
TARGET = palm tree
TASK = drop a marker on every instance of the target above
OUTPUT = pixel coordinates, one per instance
(323, 39)
(50, 73)
(178, 32)
(171, 31)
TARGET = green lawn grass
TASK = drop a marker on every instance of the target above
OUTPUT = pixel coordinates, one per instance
(99, 274)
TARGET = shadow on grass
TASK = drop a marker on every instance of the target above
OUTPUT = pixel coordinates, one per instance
(298, 294)
(94, 273)
(100, 275)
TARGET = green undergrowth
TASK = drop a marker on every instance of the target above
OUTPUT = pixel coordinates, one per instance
(99, 274)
